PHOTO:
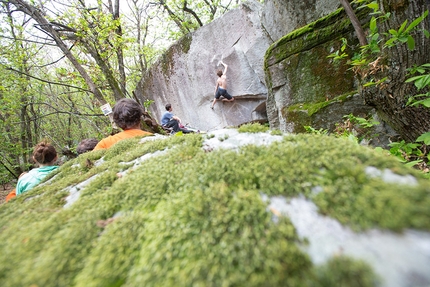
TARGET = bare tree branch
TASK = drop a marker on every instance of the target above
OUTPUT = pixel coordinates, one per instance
(39, 17)
(46, 81)
(192, 12)
(355, 23)
(27, 40)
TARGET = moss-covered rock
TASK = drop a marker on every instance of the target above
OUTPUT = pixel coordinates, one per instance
(188, 211)
(305, 86)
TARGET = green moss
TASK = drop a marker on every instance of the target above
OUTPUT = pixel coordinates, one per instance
(276, 132)
(311, 35)
(192, 217)
(312, 108)
(207, 230)
(344, 271)
(185, 43)
(181, 47)
(253, 128)
(301, 114)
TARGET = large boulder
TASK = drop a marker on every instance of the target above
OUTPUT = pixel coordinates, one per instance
(185, 75)
(302, 79)
(230, 208)
(306, 87)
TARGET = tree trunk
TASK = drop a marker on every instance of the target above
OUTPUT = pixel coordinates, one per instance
(119, 51)
(391, 97)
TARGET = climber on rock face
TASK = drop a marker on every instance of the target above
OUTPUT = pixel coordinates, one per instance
(221, 86)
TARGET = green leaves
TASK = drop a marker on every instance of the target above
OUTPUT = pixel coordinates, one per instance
(374, 6)
(403, 151)
(421, 82)
(424, 138)
(403, 34)
(373, 25)
(372, 83)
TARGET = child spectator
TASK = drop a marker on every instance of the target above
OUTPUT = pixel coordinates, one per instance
(86, 145)
(45, 156)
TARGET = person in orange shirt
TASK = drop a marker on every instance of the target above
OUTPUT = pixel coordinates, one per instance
(127, 115)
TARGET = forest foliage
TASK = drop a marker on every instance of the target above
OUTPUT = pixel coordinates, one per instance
(61, 60)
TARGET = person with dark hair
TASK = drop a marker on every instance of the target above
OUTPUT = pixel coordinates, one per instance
(221, 86)
(169, 120)
(127, 114)
(86, 145)
(45, 156)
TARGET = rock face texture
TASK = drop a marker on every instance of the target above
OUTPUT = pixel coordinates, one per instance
(186, 74)
(280, 17)
(306, 88)
(278, 70)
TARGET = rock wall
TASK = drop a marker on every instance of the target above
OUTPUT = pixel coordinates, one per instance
(186, 74)
(306, 88)
(281, 17)
(297, 85)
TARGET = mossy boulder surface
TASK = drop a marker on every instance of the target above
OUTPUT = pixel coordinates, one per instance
(189, 211)
(306, 87)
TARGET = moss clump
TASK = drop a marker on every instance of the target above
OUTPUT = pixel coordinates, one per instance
(301, 114)
(216, 227)
(185, 43)
(344, 271)
(312, 108)
(167, 62)
(193, 217)
(253, 128)
(276, 132)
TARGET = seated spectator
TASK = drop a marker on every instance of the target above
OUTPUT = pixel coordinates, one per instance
(45, 156)
(12, 194)
(86, 145)
(127, 115)
(169, 120)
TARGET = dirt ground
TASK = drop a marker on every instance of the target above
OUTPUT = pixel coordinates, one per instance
(4, 191)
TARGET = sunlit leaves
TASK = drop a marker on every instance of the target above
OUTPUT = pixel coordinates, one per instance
(403, 33)
(421, 82)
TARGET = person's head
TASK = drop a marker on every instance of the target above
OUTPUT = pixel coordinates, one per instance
(168, 107)
(127, 114)
(86, 145)
(44, 153)
(219, 73)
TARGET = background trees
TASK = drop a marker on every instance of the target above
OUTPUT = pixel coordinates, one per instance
(61, 60)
